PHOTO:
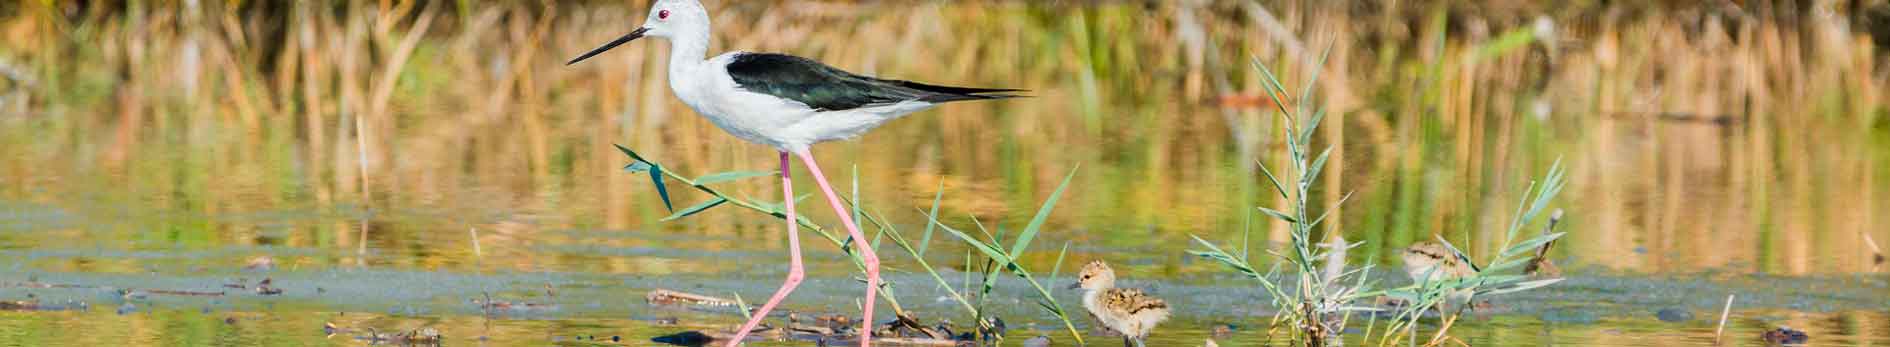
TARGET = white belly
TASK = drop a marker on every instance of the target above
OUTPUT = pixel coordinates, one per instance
(788, 125)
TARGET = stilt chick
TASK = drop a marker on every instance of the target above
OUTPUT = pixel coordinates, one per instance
(1127, 311)
(1430, 262)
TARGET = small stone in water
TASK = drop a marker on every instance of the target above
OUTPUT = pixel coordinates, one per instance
(1039, 341)
(1223, 331)
(1785, 336)
(1674, 315)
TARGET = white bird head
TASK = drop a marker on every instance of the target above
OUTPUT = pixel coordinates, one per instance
(671, 19)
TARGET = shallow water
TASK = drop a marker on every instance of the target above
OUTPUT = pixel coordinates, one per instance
(1589, 309)
(121, 189)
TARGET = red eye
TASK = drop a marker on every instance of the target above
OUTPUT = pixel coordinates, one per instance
(664, 14)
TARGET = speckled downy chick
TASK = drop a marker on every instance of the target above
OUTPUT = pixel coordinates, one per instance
(1127, 311)
(1431, 262)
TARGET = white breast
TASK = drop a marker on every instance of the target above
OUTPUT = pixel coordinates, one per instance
(754, 117)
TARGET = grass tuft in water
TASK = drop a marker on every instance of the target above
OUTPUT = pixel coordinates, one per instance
(1323, 293)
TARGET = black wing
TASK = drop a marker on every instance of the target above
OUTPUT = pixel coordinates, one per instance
(826, 88)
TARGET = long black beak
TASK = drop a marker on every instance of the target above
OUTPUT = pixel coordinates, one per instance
(1077, 285)
(632, 36)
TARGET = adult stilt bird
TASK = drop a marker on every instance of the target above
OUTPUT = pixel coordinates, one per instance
(789, 103)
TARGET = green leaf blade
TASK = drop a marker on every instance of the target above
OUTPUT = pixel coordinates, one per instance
(1276, 214)
(698, 208)
(1043, 214)
(732, 176)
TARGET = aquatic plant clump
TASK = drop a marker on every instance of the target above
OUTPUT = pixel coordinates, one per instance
(1324, 292)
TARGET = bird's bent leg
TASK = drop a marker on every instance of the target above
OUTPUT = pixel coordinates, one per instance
(795, 272)
(860, 243)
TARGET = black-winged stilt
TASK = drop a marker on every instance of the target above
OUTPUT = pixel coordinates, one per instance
(789, 103)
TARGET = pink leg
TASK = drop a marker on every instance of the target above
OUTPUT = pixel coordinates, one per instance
(867, 257)
(795, 273)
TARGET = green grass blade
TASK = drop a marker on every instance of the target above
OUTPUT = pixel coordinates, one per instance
(1312, 172)
(698, 208)
(1277, 186)
(732, 176)
(1043, 214)
(1058, 268)
(1506, 265)
(925, 241)
(633, 154)
(1529, 246)
(1312, 125)
(1523, 286)
(656, 177)
(1307, 90)
(1277, 214)
(856, 195)
(989, 251)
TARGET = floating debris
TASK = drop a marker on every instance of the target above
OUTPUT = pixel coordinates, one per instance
(266, 288)
(141, 294)
(671, 297)
(260, 263)
(422, 336)
(425, 335)
(499, 305)
(907, 325)
(1039, 341)
(1784, 336)
(1222, 331)
(19, 306)
(686, 338)
(35, 305)
(329, 329)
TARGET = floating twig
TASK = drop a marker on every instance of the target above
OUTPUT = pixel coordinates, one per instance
(1876, 252)
(1540, 266)
(1723, 314)
(475, 241)
(671, 297)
